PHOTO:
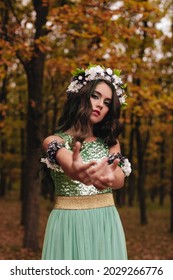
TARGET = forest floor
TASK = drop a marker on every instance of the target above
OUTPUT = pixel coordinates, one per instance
(148, 242)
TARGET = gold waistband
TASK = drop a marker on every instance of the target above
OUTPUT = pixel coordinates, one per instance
(84, 202)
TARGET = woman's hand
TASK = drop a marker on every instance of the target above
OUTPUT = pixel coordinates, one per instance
(73, 165)
(71, 161)
(104, 175)
(79, 169)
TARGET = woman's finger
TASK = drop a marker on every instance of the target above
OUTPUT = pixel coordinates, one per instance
(114, 165)
(76, 151)
(98, 167)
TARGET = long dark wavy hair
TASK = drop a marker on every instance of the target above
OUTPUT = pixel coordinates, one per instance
(77, 111)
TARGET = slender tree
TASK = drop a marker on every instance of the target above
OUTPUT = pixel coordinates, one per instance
(34, 70)
(171, 191)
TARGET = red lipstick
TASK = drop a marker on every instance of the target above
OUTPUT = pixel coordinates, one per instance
(97, 112)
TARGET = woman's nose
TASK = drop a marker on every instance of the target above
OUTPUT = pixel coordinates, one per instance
(100, 104)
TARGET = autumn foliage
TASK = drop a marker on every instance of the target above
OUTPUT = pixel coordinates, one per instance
(41, 43)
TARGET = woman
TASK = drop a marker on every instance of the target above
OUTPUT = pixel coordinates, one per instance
(86, 165)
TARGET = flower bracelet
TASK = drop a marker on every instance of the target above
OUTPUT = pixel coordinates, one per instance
(124, 163)
(53, 148)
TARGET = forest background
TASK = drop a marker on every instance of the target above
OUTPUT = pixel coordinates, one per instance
(41, 43)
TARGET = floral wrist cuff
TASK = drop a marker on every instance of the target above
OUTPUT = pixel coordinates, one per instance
(53, 148)
(124, 163)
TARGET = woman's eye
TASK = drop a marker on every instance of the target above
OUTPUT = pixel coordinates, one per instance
(107, 103)
(93, 95)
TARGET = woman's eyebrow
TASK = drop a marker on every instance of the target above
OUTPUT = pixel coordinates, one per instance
(97, 92)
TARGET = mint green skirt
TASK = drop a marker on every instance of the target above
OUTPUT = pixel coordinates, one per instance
(93, 234)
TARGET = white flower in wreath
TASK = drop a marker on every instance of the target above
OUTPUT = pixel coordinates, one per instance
(108, 78)
(93, 72)
(109, 71)
(119, 91)
(117, 79)
(116, 87)
(80, 78)
(73, 86)
(122, 99)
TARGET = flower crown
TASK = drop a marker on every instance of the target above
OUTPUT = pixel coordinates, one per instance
(82, 76)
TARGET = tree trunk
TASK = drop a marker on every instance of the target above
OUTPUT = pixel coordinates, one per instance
(33, 143)
(141, 175)
(3, 143)
(171, 191)
(34, 70)
(22, 178)
(55, 113)
(131, 179)
(3, 182)
(162, 171)
(171, 198)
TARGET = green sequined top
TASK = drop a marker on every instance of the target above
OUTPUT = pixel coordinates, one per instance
(64, 185)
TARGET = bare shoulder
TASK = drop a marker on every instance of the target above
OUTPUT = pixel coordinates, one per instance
(51, 138)
(115, 148)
